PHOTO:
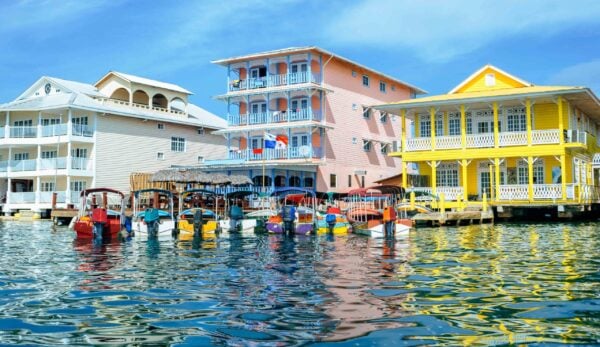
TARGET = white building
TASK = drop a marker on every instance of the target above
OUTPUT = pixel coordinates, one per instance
(64, 136)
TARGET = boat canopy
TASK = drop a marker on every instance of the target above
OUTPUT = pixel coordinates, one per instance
(160, 191)
(197, 191)
(283, 191)
(240, 194)
(86, 192)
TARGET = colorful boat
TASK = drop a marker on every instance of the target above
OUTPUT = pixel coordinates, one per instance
(236, 221)
(333, 221)
(294, 216)
(98, 222)
(153, 214)
(196, 218)
(375, 223)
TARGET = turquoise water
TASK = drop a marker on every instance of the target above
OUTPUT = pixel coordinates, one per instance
(482, 285)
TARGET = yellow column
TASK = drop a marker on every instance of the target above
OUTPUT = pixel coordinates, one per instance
(563, 176)
(492, 183)
(404, 177)
(445, 123)
(530, 174)
(433, 177)
(432, 120)
(403, 135)
(497, 180)
(463, 127)
(496, 135)
(465, 180)
(561, 126)
(528, 116)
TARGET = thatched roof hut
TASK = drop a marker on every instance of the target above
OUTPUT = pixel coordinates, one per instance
(197, 176)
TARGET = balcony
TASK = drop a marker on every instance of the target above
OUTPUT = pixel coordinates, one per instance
(520, 192)
(275, 117)
(32, 132)
(486, 140)
(30, 197)
(77, 163)
(274, 81)
(301, 152)
(129, 105)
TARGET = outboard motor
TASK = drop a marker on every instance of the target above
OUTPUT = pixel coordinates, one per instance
(236, 214)
(198, 223)
(151, 217)
(99, 220)
(330, 219)
(288, 215)
(389, 220)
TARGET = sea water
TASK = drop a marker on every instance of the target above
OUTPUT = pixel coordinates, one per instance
(485, 285)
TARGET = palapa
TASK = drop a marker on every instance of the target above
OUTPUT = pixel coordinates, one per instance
(197, 176)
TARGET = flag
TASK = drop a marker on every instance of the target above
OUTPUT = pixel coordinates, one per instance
(256, 150)
(281, 142)
(270, 140)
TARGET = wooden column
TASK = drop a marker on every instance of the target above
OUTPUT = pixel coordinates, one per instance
(434, 177)
(403, 134)
(404, 177)
(497, 178)
(530, 176)
(432, 128)
(496, 130)
(528, 116)
(561, 124)
(465, 180)
(463, 127)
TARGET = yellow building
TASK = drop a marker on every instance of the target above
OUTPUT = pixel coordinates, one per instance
(498, 137)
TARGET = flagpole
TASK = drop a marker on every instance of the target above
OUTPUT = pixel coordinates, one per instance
(263, 174)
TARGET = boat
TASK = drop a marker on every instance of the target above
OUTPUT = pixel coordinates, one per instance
(294, 216)
(199, 216)
(99, 222)
(153, 214)
(333, 221)
(236, 220)
(261, 217)
(375, 223)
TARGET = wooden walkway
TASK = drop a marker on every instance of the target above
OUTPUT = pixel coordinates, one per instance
(454, 218)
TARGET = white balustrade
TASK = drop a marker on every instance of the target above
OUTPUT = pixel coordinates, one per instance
(54, 130)
(447, 142)
(23, 165)
(22, 197)
(480, 140)
(514, 192)
(79, 163)
(53, 163)
(450, 193)
(541, 137)
(547, 191)
(513, 138)
(418, 144)
(23, 131)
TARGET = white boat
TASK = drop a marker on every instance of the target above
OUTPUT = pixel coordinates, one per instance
(166, 219)
(248, 226)
(378, 231)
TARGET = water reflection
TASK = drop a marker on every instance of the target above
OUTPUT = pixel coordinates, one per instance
(501, 284)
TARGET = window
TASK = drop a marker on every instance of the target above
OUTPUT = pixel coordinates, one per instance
(160, 156)
(382, 87)
(258, 107)
(47, 186)
(78, 186)
(469, 122)
(354, 107)
(160, 126)
(200, 131)
(384, 148)
(354, 140)
(21, 156)
(200, 159)
(367, 145)
(439, 125)
(332, 180)
(490, 80)
(383, 117)
(516, 119)
(353, 73)
(425, 126)
(50, 121)
(365, 80)
(49, 154)
(394, 88)
(79, 152)
(349, 181)
(447, 175)
(523, 172)
(362, 181)
(256, 142)
(366, 112)
(177, 144)
(453, 124)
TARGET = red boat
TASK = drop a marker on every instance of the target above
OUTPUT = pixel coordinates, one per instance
(96, 221)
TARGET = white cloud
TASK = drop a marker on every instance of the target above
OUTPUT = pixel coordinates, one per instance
(438, 30)
(584, 74)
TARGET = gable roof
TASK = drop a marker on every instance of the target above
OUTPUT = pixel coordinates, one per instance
(145, 81)
(290, 50)
(71, 86)
(493, 68)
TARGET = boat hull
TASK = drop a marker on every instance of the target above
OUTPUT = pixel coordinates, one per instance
(84, 228)
(299, 228)
(378, 231)
(248, 226)
(165, 230)
(186, 229)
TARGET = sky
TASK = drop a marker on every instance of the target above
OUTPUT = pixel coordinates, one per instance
(432, 44)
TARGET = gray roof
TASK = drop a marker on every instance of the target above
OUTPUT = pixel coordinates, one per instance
(148, 82)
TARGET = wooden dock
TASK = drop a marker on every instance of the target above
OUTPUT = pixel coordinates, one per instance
(454, 217)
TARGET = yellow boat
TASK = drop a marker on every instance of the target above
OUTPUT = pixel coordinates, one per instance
(185, 223)
(341, 227)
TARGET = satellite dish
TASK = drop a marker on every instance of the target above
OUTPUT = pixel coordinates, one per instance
(304, 151)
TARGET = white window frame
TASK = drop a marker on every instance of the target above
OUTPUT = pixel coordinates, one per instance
(384, 148)
(78, 186)
(383, 116)
(47, 186)
(160, 126)
(367, 145)
(201, 131)
(424, 125)
(366, 113)
(160, 155)
(178, 144)
(200, 159)
(52, 154)
(453, 124)
(21, 156)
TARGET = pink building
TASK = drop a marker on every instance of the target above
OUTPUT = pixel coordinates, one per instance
(317, 102)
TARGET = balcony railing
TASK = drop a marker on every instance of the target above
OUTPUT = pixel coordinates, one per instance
(275, 117)
(30, 132)
(53, 163)
(275, 81)
(127, 104)
(274, 154)
(78, 163)
(510, 192)
(21, 132)
(54, 130)
(505, 139)
(83, 130)
(450, 193)
(60, 163)
(23, 165)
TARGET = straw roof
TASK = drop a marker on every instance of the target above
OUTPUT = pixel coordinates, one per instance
(197, 176)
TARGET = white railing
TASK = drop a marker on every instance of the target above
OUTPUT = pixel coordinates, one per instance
(78, 163)
(4, 165)
(75, 197)
(53, 163)
(447, 142)
(82, 130)
(279, 153)
(513, 192)
(542, 137)
(275, 117)
(480, 140)
(418, 144)
(576, 136)
(547, 191)
(143, 106)
(54, 130)
(22, 197)
(450, 193)
(23, 165)
(46, 197)
(517, 138)
(23, 131)
(274, 81)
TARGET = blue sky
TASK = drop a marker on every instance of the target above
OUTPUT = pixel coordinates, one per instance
(432, 44)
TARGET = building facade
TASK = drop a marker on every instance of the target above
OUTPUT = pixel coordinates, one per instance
(500, 136)
(63, 136)
(317, 102)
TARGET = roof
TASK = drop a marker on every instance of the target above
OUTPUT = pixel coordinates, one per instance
(492, 67)
(210, 120)
(72, 86)
(226, 61)
(145, 81)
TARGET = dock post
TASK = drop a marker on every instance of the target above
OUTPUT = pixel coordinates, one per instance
(485, 203)
(412, 201)
(442, 208)
(53, 200)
